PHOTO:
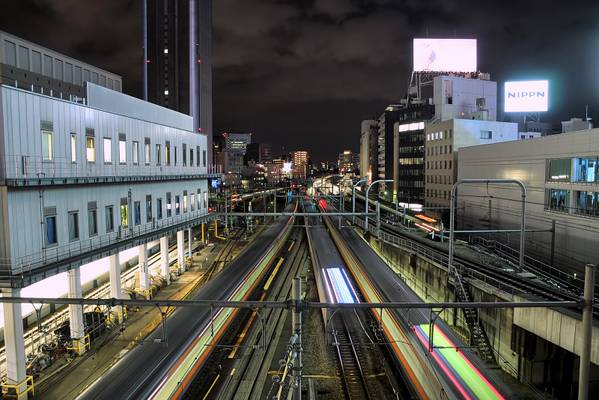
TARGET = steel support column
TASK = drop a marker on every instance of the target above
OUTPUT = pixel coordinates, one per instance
(76, 311)
(181, 250)
(115, 283)
(14, 342)
(144, 275)
(165, 269)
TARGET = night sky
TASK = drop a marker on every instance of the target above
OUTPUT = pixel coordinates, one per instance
(303, 73)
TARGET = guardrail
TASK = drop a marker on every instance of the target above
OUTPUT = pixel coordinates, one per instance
(28, 263)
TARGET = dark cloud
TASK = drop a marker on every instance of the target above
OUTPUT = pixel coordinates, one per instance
(304, 73)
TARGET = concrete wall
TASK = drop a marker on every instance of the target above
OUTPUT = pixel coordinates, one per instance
(464, 93)
(28, 56)
(527, 161)
(530, 343)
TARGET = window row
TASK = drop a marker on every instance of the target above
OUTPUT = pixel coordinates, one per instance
(44, 64)
(581, 202)
(447, 134)
(440, 194)
(127, 214)
(127, 151)
(438, 150)
(580, 169)
(439, 179)
(439, 164)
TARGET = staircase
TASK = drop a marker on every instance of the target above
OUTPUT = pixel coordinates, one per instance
(478, 337)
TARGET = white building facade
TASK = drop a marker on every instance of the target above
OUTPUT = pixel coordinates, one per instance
(81, 182)
(562, 181)
(443, 142)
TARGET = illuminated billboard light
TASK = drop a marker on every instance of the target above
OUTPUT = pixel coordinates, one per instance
(287, 167)
(445, 55)
(526, 96)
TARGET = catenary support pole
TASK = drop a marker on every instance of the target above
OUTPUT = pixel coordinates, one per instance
(297, 329)
(584, 369)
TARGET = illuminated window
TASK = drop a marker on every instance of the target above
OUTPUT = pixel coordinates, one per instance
(169, 210)
(185, 201)
(47, 145)
(124, 210)
(166, 92)
(73, 147)
(199, 198)
(560, 169)
(192, 200)
(122, 149)
(165, 51)
(90, 149)
(177, 205)
(135, 151)
(147, 151)
(107, 147)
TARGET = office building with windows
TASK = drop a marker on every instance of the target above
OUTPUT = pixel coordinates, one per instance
(85, 177)
(562, 181)
(443, 142)
(178, 59)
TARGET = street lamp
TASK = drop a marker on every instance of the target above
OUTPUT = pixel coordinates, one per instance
(353, 197)
(368, 190)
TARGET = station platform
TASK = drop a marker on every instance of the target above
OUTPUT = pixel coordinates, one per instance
(67, 378)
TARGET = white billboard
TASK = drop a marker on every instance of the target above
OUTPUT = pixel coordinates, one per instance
(445, 55)
(526, 96)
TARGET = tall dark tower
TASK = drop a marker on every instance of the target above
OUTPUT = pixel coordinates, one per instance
(178, 59)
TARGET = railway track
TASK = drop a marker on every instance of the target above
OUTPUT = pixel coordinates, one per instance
(355, 383)
(498, 277)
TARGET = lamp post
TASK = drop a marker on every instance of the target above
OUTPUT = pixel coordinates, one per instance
(353, 197)
(368, 190)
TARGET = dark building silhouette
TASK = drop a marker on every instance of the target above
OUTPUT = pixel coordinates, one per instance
(178, 59)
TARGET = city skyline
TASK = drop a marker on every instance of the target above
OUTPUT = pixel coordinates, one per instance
(278, 67)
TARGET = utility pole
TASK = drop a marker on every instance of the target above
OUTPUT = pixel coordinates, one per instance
(584, 369)
(297, 329)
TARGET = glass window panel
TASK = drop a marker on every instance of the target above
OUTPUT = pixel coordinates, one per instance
(107, 150)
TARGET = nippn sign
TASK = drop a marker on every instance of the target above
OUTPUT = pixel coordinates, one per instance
(526, 96)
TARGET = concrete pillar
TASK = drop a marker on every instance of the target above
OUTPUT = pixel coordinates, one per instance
(165, 269)
(115, 284)
(76, 312)
(181, 250)
(14, 341)
(144, 275)
(189, 240)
